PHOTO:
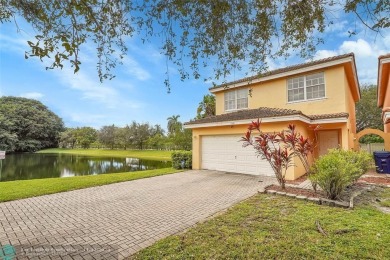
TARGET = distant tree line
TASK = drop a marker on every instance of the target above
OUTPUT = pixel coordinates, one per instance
(26, 125)
(132, 136)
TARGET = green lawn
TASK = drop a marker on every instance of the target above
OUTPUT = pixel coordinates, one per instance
(275, 227)
(142, 154)
(385, 198)
(14, 190)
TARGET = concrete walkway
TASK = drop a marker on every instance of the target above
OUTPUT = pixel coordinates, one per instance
(115, 221)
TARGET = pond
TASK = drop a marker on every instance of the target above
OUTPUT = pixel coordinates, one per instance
(38, 166)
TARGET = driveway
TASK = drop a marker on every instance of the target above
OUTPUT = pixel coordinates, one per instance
(116, 220)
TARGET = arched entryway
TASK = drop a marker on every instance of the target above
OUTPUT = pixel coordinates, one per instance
(385, 136)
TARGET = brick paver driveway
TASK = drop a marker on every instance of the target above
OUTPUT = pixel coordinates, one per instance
(115, 221)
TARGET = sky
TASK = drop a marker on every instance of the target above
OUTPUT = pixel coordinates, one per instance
(138, 91)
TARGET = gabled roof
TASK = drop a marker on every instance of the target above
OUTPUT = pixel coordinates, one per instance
(348, 58)
(383, 77)
(263, 113)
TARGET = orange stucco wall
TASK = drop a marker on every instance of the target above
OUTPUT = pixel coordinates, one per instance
(384, 89)
(303, 128)
(386, 103)
(350, 108)
(387, 128)
(273, 94)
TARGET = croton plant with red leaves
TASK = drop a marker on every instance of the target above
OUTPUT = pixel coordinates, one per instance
(279, 149)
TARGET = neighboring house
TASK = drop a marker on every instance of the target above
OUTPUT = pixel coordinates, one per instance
(318, 97)
(383, 92)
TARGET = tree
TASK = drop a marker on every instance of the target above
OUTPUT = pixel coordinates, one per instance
(68, 138)
(26, 125)
(107, 136)
(141, 133)
(368, 115)
(157, 139)
(206, 107)
(157, 142)
(121, 137)
(85, 136)
(183, 140)
(8, 140)
(157, 130)
(174, 125)
(228, 31)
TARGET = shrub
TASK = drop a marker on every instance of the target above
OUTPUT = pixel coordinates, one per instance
(338, 169)
(279, 149)
(182, 160)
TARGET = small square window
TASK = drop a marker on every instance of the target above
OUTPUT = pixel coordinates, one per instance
(236, 99)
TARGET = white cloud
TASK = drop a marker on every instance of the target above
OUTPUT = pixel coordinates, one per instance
(360, 47)
(337, 27)
(366, 52)
(322, 54)
(88, 119)
(8, 44)
(133, 68)
(32, 95)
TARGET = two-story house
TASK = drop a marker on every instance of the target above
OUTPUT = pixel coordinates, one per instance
(383, 91)
(318, 97)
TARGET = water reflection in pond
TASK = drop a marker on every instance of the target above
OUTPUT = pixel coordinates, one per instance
(38, 166)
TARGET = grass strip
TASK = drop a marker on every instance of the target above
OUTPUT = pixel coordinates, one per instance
(14, 190)
(141, 154)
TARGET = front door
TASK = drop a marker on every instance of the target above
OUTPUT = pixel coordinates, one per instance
(328, 140)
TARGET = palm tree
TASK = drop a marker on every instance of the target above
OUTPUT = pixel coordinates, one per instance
(174, 125)
(206, 107)
(158, 130)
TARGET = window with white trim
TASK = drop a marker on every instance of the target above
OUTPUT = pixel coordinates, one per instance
(306, 87)
(236, 99)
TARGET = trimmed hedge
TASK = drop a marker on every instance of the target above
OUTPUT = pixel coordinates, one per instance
(182, 160)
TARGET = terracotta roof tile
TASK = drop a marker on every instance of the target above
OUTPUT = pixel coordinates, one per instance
(384, 56)
(286, 69)
(262, 112)
(327, 116)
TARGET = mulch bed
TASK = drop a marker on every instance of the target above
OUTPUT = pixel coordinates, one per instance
(298, 181)
(376, 180)
(298, 191)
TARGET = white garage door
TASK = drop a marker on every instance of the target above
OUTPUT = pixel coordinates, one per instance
(225, 153)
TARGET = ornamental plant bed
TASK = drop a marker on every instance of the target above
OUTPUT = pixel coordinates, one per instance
(298, 191)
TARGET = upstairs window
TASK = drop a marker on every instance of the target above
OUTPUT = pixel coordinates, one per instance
(306, 87)
(236, 99)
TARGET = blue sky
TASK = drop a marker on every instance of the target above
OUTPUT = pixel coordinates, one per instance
(138, 92)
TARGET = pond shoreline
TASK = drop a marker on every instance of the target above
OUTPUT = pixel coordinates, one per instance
(25, 166)
(14, 190)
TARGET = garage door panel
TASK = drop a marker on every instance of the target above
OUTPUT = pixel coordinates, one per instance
(225, 153)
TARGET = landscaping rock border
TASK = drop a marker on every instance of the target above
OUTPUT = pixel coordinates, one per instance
(319, 201)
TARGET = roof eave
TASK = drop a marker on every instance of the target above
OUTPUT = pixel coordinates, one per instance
(297, 117)
(323, 65)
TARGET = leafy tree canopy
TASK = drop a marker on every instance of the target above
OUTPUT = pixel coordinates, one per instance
(228, 32)
(368, 114)
(27, 125)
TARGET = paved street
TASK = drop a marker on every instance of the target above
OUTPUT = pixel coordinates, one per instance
(115, 221)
